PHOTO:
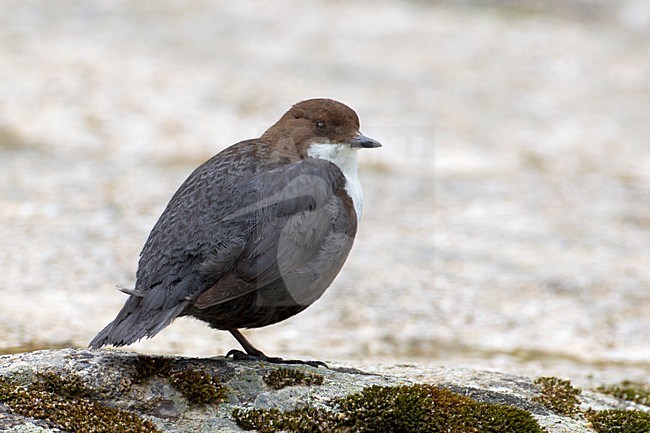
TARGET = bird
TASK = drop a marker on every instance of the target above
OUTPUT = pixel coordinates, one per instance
(255, 234)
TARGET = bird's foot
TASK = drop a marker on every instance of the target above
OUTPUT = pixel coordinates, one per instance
(238, 355)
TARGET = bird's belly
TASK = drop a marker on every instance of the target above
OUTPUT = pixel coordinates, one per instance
(244, 312)
(270, 304)
(280, 299)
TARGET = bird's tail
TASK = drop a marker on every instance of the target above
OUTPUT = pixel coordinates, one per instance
(135, 322)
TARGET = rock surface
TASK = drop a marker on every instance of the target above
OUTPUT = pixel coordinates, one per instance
(146, 386)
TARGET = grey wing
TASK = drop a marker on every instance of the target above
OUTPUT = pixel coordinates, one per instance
(303, 231)
(168, 273)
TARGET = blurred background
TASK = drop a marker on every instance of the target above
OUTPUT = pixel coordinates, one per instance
(507, 217)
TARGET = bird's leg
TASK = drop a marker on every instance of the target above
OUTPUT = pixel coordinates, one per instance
(248, 347)
(254, 354)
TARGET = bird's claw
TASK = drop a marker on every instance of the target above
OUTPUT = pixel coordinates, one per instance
(238, 355)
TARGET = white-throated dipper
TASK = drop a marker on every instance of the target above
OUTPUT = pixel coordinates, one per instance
(255, 234)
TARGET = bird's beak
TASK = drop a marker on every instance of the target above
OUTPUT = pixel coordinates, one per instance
(361, 140)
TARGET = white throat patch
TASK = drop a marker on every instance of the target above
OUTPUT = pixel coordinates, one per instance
(345, 158)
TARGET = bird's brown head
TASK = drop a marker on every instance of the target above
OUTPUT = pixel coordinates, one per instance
(317, 121)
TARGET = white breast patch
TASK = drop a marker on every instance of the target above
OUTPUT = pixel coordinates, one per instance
(345, 158)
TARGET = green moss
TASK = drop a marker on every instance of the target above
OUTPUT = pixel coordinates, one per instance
(619, 421)
(412, 408)
(6, 390)
(558, 395)
(278, 379)
(268, 421)
(627, 390)
(148, 366)
(65, 403)
(198, 387)
(70, 387)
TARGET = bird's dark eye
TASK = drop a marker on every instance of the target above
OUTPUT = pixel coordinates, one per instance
(321, 127)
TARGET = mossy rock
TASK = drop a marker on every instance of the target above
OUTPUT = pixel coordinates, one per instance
(558, 395)
(197, 385)
(619, 421)
(149, 366)
(407, 408)
(67, 404)
(114, 391)
(283, 377)
(637, 392)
